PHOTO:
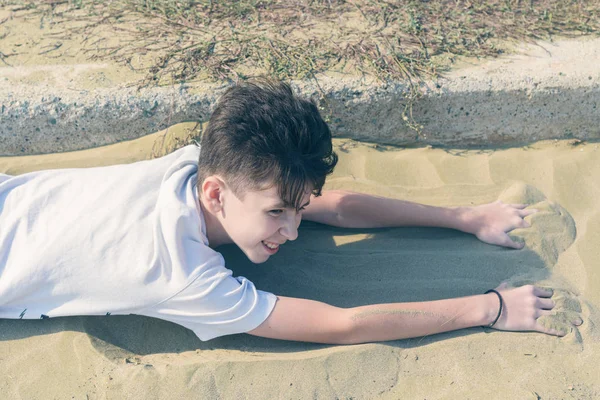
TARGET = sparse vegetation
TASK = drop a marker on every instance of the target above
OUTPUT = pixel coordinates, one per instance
(406, 41)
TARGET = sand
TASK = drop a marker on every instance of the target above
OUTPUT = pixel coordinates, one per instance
(143, 358)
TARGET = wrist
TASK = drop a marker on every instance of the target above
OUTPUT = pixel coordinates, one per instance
(490, 306)
(464, 220)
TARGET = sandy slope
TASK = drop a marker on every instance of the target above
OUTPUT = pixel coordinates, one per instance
(143, 358)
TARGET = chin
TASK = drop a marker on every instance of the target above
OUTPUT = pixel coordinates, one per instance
(259, 261)
(257, 258)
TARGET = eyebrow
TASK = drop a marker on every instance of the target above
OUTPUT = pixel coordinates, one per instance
(281, 204)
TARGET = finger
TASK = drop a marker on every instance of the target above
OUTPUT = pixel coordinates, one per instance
(525, 213)
(568, 317)
(545, 304)
(525, 224)
(561, 322)
(560, 332)
(567, 302)
(508, 242)
(518, 206)
(542, 292)
(550, 324)
(502, 286)
(519, 222)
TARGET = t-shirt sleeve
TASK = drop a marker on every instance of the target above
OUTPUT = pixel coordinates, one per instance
(216, 304)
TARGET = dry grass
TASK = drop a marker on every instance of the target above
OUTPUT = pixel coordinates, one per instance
(397, 40)
(407, 41)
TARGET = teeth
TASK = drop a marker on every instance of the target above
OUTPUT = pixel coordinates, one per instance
(271, 245)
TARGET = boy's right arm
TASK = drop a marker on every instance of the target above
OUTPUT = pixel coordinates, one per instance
(313, 321)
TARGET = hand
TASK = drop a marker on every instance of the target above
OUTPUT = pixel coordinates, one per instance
(529, 308)
(492, 222)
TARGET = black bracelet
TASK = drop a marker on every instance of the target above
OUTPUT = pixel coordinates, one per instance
(499, 310)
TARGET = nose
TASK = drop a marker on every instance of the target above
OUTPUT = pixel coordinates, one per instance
(290, 227)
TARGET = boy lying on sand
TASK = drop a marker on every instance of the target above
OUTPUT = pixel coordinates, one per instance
(140, 238)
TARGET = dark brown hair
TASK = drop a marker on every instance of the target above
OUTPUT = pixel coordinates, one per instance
(261, 135)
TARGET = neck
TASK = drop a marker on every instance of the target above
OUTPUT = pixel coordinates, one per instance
(215, 232)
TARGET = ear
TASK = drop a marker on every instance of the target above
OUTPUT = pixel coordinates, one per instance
(212, 193)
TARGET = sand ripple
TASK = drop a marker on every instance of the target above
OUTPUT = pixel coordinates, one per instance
(142, 358)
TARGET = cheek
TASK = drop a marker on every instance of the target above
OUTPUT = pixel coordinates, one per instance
(268, 227)
(259, 229)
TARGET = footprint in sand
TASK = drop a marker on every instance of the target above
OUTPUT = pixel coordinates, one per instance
(552, 228)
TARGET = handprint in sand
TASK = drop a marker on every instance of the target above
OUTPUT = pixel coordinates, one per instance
(551, 232)
(552, 229)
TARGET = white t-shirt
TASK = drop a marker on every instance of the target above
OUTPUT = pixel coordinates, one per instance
(123, 239)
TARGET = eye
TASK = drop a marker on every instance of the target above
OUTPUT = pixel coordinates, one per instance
(275, 213)
(302, 208)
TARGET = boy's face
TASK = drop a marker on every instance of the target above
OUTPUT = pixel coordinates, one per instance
(259, 223)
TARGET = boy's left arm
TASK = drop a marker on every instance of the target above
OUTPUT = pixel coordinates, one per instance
(489, 222)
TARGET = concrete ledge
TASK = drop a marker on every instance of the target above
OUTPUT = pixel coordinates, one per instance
(49, 118)
(544, 91)
(547, 91)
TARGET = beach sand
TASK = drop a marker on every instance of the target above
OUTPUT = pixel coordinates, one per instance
(142, 358)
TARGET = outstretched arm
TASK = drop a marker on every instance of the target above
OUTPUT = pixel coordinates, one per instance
(312, 321)
(489, 222)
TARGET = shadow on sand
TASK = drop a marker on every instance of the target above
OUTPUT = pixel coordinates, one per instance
(373, 266)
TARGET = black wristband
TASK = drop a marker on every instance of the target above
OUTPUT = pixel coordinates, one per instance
(499, 310)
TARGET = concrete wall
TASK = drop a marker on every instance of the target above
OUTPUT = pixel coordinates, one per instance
(547, 91)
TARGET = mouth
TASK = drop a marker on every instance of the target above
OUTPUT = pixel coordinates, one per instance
(270, 247)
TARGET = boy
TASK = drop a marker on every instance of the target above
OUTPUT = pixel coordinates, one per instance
(139, 238)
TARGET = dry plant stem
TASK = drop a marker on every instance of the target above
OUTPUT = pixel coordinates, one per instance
(396, 41)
